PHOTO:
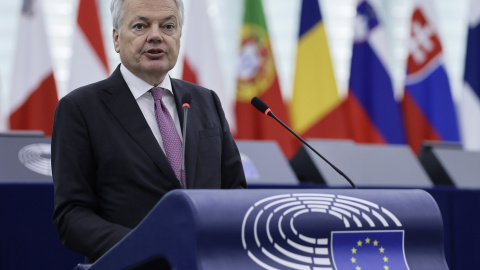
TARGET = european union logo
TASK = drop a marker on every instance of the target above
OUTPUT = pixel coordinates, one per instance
(360, 250)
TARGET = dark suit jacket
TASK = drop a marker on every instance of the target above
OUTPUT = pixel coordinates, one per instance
(109, 170)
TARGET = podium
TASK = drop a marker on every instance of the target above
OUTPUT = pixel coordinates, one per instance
(285, 229)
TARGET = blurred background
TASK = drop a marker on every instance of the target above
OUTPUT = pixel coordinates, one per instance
(338, 18)
(282, 20)
(450, 18)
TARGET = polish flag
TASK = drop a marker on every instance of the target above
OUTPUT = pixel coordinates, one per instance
(33, 96)
(89, 61)
(200, 64)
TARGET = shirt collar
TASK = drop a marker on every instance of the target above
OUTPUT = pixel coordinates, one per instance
(139, 87)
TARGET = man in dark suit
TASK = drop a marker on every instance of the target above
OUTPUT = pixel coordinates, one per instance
(108, 151)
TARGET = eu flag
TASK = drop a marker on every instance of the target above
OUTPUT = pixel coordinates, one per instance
(368, 250)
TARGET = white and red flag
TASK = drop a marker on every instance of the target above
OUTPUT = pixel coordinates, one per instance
(33, 94)
(89, 61)
(200, 64)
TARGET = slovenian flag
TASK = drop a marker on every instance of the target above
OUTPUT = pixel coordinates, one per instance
(373, 113)
(470, 104)
(428, 108)
(316, 109)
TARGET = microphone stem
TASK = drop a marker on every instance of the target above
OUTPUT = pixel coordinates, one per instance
(182, 165)
(311, 148)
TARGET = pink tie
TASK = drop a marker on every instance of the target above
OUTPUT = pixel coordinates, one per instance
(170, 137)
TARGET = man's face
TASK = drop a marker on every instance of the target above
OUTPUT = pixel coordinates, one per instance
(149, 40)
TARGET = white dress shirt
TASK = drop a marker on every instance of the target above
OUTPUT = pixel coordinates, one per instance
(140, 90)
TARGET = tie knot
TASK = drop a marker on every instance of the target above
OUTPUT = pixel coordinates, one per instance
(157, 93)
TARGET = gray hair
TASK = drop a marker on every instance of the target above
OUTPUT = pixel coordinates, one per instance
(116, 9)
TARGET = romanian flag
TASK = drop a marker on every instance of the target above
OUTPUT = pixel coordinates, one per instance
(315, 108)
(373, 113)
(428, 108)
(470, 104)
(257, 76)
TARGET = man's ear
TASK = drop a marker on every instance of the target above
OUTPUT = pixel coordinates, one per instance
(115, 36)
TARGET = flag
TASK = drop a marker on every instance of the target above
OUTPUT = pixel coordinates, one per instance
(3, 124)
(470, 102)
(373, 113)
(369, 250)
(316, 109)
(201, 63)
(89, 62)
(33, 96)
(257, 76)
(428, 109)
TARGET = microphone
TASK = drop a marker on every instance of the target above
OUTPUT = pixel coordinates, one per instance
(186, 100)
(262, 107)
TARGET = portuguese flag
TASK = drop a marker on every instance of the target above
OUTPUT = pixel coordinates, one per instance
(257, 76)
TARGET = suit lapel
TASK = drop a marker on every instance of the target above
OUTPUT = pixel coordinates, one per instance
(119, 99)
(191, 142)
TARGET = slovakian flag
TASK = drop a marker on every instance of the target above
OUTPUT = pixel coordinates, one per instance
(89, 62)
(470, 102)
(369, 250)
(316, 108)
(428, 108)
(373, 112)
(33, 96)
(257, 76)
(200, 64)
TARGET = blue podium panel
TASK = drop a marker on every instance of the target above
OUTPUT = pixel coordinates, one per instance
(265, 164)
(368, 165)
(25, 158)
(287, 229)
(28, 239)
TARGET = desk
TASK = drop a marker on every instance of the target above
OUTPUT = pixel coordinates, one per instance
(28, 239)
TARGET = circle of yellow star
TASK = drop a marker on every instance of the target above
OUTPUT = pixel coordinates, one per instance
(359, 243)
(353, 260)
(385, 259)
(382, 250)
(367, 241)
(354, 251)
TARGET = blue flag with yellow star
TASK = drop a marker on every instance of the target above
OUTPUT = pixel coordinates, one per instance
(368, 250)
